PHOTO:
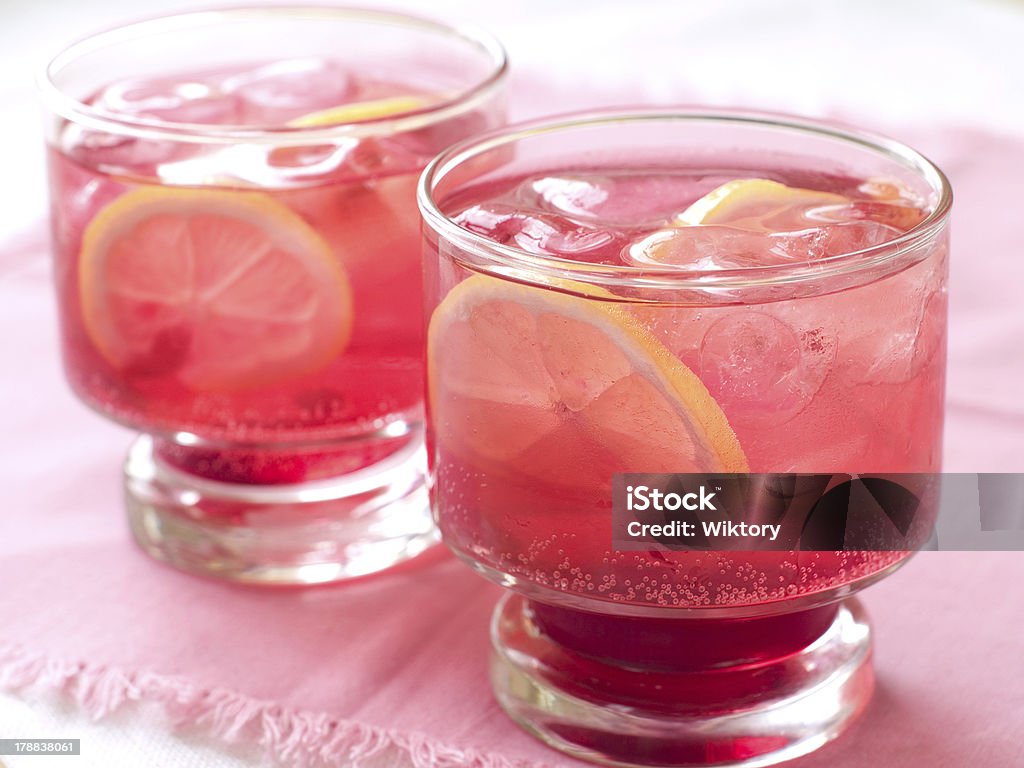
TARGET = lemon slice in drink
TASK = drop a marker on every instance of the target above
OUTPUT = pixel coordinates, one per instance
(756, 204)
(360, 111)
(222, 290)
(563, 389)
(726, 228)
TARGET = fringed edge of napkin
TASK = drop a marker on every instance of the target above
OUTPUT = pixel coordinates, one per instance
(299, 738)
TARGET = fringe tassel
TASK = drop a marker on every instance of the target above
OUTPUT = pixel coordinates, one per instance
(302, 739)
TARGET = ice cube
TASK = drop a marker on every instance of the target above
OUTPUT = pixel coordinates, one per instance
(762, 370)
(343, 159)
(900, 339)
(199, 100)
(380, 156)
(83, 194)
(285, 90)
(539, 233)
(116, 153)
(891, 329)
(900, 215)
(831, 240)
(576, 197)
(241, 165)
(624, 199)
(703, 248)
(715, 247)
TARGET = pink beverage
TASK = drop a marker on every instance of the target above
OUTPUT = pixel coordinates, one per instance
(676, 293)
(776, 371)
(237, 260)
(142, 349)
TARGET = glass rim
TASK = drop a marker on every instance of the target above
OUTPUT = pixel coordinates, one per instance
(78, 112)
(502, 257)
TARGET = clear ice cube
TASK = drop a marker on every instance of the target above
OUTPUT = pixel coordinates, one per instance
(633, 201)
(194, 100)
(536, 232)
(573, 197)
(290, 88)
(762, 370)
(901, 329)
(714, 247)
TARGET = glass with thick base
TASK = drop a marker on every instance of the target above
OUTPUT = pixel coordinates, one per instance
(666, 292)
(237, 262)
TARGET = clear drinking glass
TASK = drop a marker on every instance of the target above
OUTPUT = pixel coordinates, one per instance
(664, 292)
(237, 263)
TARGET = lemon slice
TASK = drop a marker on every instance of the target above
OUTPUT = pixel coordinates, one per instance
(360, 111)
(219, 290)
(752, 201)
(535, 383)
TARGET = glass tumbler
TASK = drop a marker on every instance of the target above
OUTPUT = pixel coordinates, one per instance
(676, 292)
(237, 264)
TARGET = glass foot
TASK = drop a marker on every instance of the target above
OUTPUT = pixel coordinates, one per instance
(742, 713)
(316, 532)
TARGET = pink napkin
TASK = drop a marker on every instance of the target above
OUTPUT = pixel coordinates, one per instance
(394, 668)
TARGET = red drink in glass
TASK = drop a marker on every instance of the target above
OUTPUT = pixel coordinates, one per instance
(177, 336)
(237, 260)
(676, 293)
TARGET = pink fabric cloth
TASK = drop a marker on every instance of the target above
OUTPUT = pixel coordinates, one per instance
(397, 664)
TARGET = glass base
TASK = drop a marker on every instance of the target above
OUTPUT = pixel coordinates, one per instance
(315, 532)
(744, 713)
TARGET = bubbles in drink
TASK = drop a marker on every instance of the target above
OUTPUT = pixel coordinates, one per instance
(791, 374)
